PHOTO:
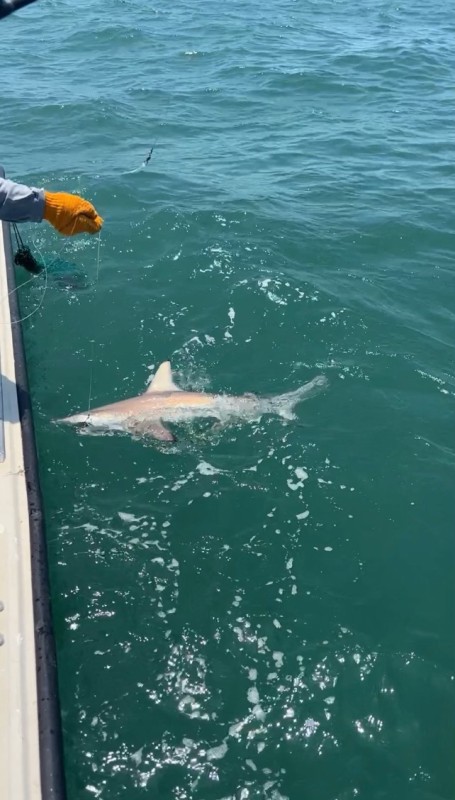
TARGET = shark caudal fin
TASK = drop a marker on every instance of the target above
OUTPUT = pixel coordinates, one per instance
(284, 404)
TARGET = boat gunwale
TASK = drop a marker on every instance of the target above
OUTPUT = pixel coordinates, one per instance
(49, 716)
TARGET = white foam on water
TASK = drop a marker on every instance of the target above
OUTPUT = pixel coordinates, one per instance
(207, 469)
(303, 515)
(137, 756)
(93, 789)
(301, 474)
(181, 482)
(216, 753)
(258, 712)
(278, 658)
(289, 563)
(440, 383)
(251, 764)
(277, 623)
(236, 728)
(129, 517)
(294, 486)
(239, 633)
(310, 727)
(88, 527)
(253, 695)
(252, 674)
(275, 299)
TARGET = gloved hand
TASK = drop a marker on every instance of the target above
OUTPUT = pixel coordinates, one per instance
(70, 214)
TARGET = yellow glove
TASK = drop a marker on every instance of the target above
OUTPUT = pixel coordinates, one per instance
(70, 214)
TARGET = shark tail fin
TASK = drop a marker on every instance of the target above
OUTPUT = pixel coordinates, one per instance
(284, 404)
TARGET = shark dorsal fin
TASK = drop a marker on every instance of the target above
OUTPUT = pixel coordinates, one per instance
(162, 380)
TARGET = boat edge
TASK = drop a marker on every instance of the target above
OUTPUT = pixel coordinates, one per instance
(49, 716)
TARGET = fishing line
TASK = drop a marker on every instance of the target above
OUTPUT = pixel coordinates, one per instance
(91, 378)
(92, 341)
(25, 258)
(43, 294)
(98, 258)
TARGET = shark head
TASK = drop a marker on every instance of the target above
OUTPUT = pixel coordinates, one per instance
(93, 421)
(136, 415)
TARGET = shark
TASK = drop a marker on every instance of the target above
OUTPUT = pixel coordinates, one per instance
(164, 402)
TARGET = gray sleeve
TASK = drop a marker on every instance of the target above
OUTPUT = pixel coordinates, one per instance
(19, 203)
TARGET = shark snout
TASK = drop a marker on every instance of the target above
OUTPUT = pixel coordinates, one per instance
(79, 420)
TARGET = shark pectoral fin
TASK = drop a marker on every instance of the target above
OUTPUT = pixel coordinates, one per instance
(154, 429)
(162, 380)
(158, 431)
(218, 426)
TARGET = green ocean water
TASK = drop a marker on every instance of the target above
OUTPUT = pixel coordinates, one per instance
(264, 611)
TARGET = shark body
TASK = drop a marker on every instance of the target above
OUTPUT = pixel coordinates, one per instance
(163, 402)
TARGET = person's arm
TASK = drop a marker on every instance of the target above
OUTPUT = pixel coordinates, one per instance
(19, 203)
(68, 213)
